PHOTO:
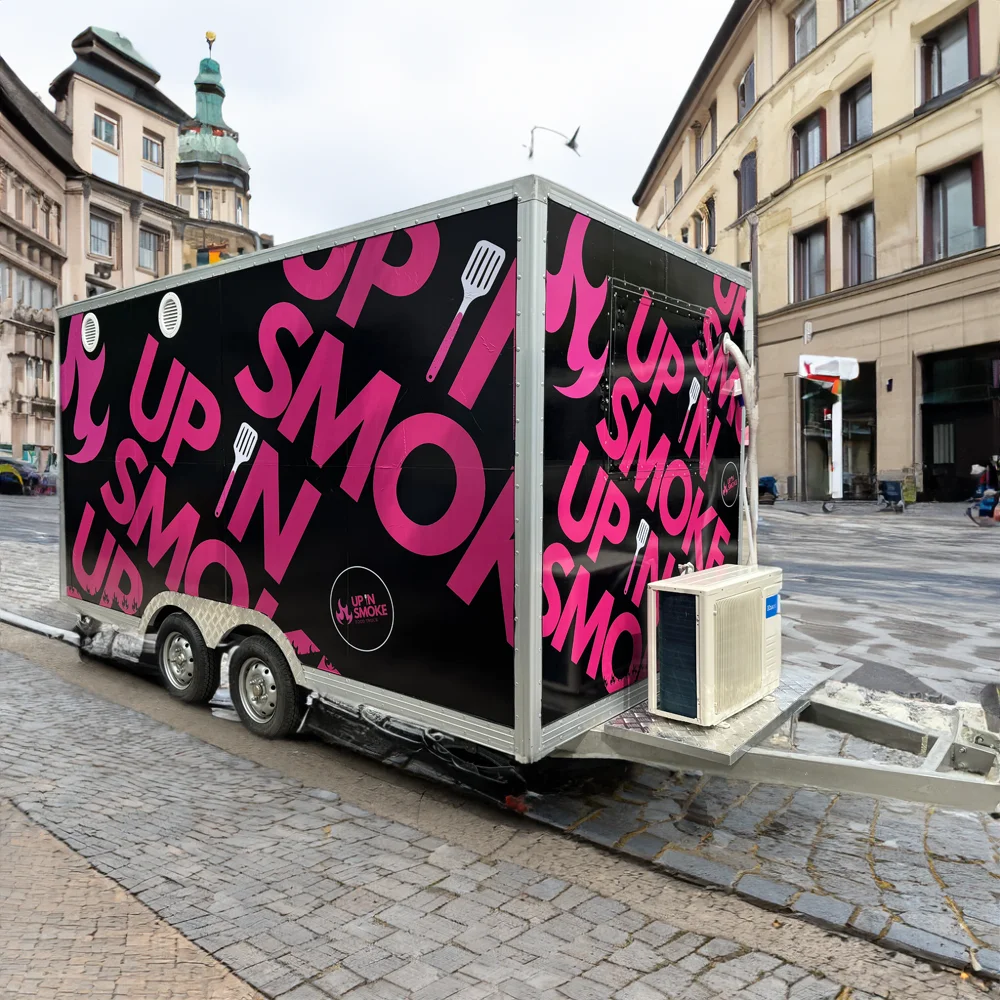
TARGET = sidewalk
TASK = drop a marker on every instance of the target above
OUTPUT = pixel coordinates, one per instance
(306, 896)
(68, 932)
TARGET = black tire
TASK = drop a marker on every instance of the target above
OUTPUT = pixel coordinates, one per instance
(278, 710)
(194, 676)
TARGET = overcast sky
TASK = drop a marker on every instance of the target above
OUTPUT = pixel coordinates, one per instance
(347, 111)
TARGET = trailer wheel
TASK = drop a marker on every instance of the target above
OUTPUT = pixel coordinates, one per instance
(190, 670)
(263, 689)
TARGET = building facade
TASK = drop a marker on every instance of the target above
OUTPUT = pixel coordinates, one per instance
(860, 135)
(36, 157)
(213, 178)
(122, 220)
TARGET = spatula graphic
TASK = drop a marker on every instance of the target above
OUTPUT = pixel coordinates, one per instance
(477, 279)
(693, 393)
(641, 537)
(243, 449)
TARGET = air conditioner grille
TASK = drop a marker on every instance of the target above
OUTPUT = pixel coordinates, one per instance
(677, 653)
(90, 333)
(738, 666)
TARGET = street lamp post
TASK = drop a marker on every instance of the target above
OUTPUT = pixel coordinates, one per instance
(570, 139)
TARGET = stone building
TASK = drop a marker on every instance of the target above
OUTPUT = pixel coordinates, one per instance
(213, 178)
(123, 223)
(861, 134)
(36, 157)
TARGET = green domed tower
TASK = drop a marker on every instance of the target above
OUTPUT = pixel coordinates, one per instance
(213, 176)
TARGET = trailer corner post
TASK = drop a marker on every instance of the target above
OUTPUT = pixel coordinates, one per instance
(529, 415)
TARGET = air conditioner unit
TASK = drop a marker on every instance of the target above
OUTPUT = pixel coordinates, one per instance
(714, 642)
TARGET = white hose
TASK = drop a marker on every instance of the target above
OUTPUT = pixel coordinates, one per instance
(748, 388)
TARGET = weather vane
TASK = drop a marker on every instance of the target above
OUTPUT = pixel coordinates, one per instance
(570, 139)
(210, 38)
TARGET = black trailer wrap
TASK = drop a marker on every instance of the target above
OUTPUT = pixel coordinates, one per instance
(372, 519)
(436, 458)
(642, 445)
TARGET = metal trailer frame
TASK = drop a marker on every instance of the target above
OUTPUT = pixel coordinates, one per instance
(600, 730)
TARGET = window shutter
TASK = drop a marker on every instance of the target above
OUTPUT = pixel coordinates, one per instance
(973, 28)
(713, 111)
(845, 120)
(822, 134)
(928, 220)
(978, 191)
(795, 153)
(925, 60)
(791, 42)
(751, 181)
(847, 276)
(826, 253)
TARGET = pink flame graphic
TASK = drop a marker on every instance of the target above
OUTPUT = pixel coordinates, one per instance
(344, 615)
(302, 644)
(83, 372)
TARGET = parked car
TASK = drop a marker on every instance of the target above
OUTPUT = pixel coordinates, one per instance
(18, 478)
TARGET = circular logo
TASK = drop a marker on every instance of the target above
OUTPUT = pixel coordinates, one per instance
(361, 608)
(730, 485)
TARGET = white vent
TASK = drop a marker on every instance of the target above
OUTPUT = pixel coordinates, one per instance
(90, 333)
(170, 315)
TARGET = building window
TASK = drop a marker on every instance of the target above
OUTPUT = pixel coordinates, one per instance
(859, 246)
(710, 218)
(851, 8)
(204, 204)
(746, 184)
(713, 127)
(955, 211)
(856, 114)
(802, 31)
(149, 250)
(19, 204)
(809, 143)
(698, 231)
(699, 150)
(685, 234)
(34, 214)
(810, 263)
(951, 54)
(152, 150)
(106, 129)
(101, 231)
(239, 211)
(678, 186)
(745, 94)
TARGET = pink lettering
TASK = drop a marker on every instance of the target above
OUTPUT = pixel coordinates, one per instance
(585, 630)
(734, 298)
(262, 487)
(614, 444)
(605, 528)
(577, 530)
(82, 372)
(201, 436)
(669, 372)
(457, 523)
(698, 432)
(492, 545)
(643, 369)
(492, 338)
(649, 568)
(371, 270)
(91, 581)
(719, 538)
(697, 523)
(711, 328)
(590, 300)
(369, 411)
(271, 402)
(677, 471)
(152, 428)
(266, 604)
(177, 535)
(322, 282)
(554, 555)
(122, 510)
(650, 462)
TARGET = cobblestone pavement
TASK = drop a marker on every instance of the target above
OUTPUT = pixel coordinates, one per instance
(306, 896)
(66, 931)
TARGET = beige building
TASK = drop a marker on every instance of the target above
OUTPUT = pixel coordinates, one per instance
(122, 220)
(862, 134)
(36, 157)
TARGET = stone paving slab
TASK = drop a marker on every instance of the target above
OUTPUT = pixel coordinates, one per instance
(305, 896)
(66, 931)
